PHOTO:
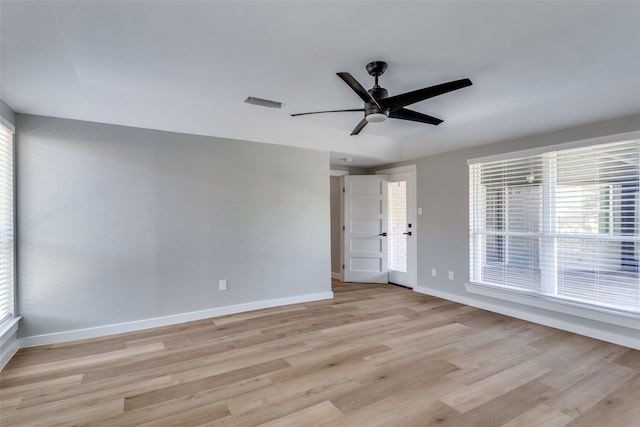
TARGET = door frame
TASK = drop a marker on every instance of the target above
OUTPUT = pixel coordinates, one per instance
(340, 173)
(412, 213)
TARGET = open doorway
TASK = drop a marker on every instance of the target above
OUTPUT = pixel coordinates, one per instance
(402, 225)
(337, 220)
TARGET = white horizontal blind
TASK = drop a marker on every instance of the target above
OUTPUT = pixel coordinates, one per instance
(6, 224)
(565, 224)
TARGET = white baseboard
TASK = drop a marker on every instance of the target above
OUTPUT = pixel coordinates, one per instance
(337, 276)
(99, 331)
(535, 318)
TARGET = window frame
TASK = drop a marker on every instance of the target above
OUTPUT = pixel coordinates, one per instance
(8, 320)
(532, 298)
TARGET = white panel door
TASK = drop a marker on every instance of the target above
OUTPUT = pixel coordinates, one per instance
(365, 220)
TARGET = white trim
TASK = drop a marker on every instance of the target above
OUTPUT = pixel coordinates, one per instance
(8, 352)
(340, 174)
(621, 137)
(342, 228)
(629, 320)
(99, 331)
(535, 318)
(9, 327)
(399, 169)
(9, 344)
(6, 123)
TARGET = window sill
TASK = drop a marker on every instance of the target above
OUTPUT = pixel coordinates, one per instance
(620, 318)
(8, 328)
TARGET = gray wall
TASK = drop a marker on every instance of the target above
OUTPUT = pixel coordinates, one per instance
(443, 194)
(119, 224)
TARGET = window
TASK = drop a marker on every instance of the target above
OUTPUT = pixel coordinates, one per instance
(397, 225)
(564, 225)
(6, 224)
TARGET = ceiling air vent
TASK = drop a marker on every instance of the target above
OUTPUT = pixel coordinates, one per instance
(263, 102)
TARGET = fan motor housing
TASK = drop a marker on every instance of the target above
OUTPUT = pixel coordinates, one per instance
(377, 93)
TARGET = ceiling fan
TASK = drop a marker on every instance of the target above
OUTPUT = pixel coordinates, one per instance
(378, 105)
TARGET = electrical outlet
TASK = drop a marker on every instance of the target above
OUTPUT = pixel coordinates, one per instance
(451, 275)
(433, 272)
(223, 285)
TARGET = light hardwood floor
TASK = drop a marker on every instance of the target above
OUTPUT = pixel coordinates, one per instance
(376, 355)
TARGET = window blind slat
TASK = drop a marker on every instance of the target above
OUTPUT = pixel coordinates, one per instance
(6, 225)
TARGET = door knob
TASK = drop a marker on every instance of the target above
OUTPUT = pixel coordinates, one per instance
(383, 234)
(408, 233)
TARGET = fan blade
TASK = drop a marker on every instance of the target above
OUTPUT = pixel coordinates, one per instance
(414, 116)
(357, 88)
(398, 101)
(328, 111)
(359, 127)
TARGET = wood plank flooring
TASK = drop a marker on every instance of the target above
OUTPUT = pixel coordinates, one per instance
(375, 355)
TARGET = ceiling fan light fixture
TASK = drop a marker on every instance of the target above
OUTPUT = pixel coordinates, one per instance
(376, 117)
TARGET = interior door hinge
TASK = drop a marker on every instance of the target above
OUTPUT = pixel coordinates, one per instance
(343, 228)
(343, 189)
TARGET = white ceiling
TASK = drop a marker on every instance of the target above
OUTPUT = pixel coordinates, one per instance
(188, 66)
